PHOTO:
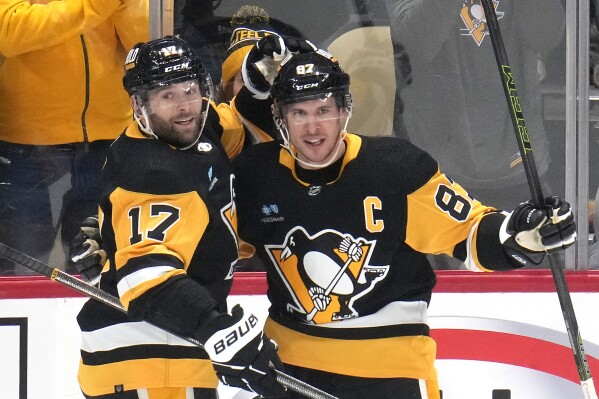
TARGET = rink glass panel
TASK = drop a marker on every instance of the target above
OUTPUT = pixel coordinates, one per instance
(394, 97)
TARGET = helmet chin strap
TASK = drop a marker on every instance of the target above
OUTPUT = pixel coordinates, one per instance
(293, 151)
(145, 129)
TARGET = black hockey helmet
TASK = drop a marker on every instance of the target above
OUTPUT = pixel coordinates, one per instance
(304, 77)
(310, 75)
(161, 62)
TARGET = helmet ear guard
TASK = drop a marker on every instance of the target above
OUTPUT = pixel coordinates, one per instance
(348, 101)
(137, 104)
(275, 111)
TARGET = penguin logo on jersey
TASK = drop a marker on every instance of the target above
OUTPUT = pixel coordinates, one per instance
(473, 16)
(325, 273)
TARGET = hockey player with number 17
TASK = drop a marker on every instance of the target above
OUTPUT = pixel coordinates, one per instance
(343, 223)
(168, 223)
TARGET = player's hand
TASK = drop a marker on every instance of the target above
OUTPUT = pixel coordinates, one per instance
(299, 46)
(528, 232)
(241, 354)
(86, 253)
(261, 64)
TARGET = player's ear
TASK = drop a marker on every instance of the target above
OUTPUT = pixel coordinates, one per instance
(135, 105)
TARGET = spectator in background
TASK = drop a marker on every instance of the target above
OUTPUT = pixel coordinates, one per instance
(455, 108)
(62, 105)
(250, 24)
(213, 38)
(205, 32)
(379, 68)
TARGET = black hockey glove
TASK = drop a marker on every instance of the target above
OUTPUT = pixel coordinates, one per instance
(261, 64)
(528, 233)
(86, 255)
(241, 354)
(299, 46)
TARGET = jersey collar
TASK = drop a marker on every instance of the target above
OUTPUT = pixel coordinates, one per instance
(353, 143)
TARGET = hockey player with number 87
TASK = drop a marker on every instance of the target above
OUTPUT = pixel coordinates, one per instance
(343, 223)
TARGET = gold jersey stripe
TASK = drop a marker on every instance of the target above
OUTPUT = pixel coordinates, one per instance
(146, 373)
(407, 356)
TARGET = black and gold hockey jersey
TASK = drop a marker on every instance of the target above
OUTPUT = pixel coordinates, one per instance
(345, 248)
(168, 224)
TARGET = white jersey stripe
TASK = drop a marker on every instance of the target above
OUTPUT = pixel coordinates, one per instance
(392, 314)
(128, 334)
(132, 280)
(423, 390)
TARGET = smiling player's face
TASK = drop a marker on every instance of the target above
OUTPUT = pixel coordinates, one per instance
(175, 112)
(314, 129)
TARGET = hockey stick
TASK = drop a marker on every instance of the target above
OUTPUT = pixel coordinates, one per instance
(511, 95)
(96, 293)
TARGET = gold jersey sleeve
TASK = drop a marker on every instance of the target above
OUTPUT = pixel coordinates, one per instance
(441, 214)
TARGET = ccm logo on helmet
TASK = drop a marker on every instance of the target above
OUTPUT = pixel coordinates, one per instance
(238, 332)
(179, 67)
(306, 86)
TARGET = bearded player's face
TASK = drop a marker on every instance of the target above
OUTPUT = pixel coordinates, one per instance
(175, 112)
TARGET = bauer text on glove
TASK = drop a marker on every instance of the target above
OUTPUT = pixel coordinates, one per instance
(241, 354)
